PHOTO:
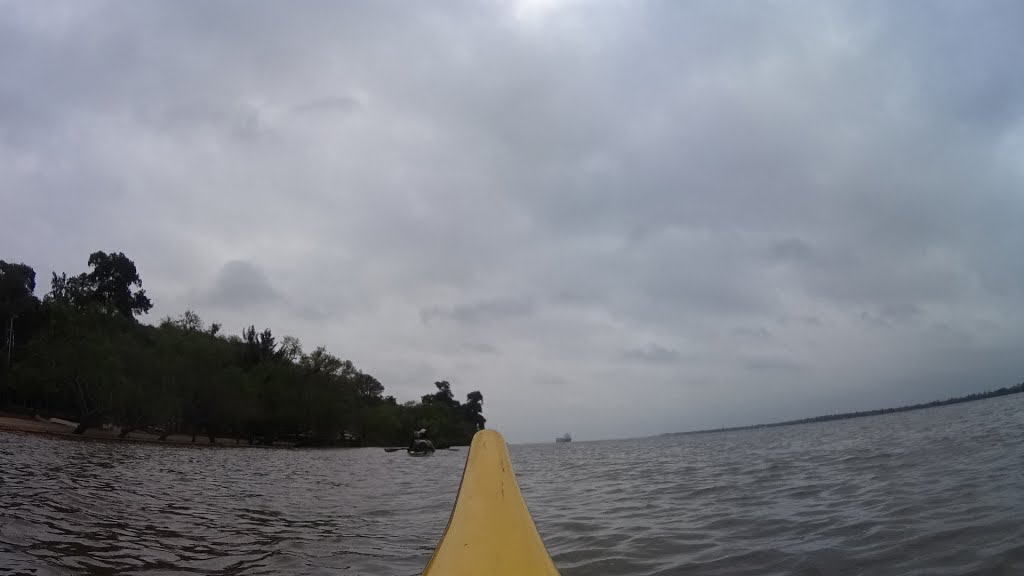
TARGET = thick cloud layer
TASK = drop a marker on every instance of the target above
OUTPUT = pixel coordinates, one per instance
(614, 218)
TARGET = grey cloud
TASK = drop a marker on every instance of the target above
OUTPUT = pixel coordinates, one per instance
(481, 311)
(846, 175)
(903, 311)
(241, 284)
(789, 319)
(771, 364)
(328, 105)
(893, 313)
(653, 353)
(792, 249)
(310, 313)
(752, 332)
(553, 381)
(481, 348)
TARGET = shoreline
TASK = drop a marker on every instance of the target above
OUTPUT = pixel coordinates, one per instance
(1018, 389)
(16, 424)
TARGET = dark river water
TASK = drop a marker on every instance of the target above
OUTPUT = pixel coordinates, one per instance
(933, 492)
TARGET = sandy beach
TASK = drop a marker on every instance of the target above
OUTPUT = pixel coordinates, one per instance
(64, 429)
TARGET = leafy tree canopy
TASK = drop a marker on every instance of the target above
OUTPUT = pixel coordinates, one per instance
(108, 286)
(83, 356)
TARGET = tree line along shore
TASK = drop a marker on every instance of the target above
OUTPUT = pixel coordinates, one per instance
(80, 355)
(1005, 391)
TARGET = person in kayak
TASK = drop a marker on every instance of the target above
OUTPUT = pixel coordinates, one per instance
(420, 442)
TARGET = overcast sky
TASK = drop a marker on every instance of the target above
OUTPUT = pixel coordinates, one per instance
(612, 218)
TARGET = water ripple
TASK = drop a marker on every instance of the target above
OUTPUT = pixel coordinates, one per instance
(932, 492)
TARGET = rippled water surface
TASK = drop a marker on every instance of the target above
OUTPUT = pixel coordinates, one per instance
(937, 491)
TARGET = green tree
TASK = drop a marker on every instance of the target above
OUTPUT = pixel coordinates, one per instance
(368, 387)
(73, 291)
(108, 286)
(474, 408)
(320, 361)
(76, 364)
(17, 283)
(88, 359)
(443, 395)
(291, 349)
(111, 281)
(19, 307)
(259, 347)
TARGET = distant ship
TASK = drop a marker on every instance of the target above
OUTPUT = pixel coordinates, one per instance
(566, 438)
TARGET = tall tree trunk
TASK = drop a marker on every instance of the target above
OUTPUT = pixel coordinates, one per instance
(169, 426)
(88, 420)
(128, 429)
(83, 407)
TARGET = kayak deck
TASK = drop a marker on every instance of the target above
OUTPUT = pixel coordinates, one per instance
(490, 530)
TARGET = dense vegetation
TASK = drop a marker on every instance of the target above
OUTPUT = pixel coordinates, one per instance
(959, 399)
(81, 354)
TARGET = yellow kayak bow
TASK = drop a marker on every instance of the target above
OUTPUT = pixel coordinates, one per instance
(490, 531)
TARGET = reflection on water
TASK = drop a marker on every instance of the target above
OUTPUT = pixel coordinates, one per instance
(931, 492)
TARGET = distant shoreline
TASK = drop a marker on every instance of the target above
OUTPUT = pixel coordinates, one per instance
(1019, 388)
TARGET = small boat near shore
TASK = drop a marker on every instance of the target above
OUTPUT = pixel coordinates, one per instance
(421, 447)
